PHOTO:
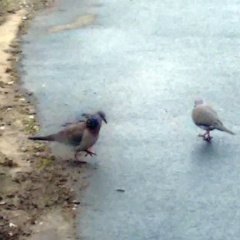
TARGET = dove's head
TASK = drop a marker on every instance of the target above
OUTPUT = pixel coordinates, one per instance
(198, 102)
(92, 123)
(102, 115)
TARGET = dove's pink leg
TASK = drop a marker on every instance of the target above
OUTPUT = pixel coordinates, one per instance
(206, 136)
(88, 152)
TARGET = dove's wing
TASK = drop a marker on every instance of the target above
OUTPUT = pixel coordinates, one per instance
(71, 135)
(205, 116)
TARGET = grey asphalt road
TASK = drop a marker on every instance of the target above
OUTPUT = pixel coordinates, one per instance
(144, 63)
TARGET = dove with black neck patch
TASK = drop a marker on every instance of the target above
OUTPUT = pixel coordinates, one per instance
(81, 135)
(205, 117)
(101, 114)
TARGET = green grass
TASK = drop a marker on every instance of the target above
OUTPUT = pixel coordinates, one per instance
(44, 162)
(30, 128)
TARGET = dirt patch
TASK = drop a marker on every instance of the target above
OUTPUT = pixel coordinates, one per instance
(36, 195)
(12, 6)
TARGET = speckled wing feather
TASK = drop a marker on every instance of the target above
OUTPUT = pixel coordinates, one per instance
(72, 135)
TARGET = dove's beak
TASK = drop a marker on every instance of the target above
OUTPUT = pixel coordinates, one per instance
(104, 119)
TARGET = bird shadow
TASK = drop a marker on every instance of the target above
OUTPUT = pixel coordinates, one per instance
(206, 151)
(75, 163)
(80, 164)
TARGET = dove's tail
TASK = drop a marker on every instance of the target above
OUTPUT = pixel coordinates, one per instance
(44, 138)
(222, 128)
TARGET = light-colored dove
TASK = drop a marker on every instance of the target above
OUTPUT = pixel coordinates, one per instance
(206, 118)
(81, 135)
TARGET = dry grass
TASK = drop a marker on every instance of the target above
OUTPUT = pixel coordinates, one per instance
(8, 6)
(11, 6)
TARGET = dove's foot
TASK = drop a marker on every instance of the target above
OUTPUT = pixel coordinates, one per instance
(206, 136)
(88, 152)
(207, 139)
